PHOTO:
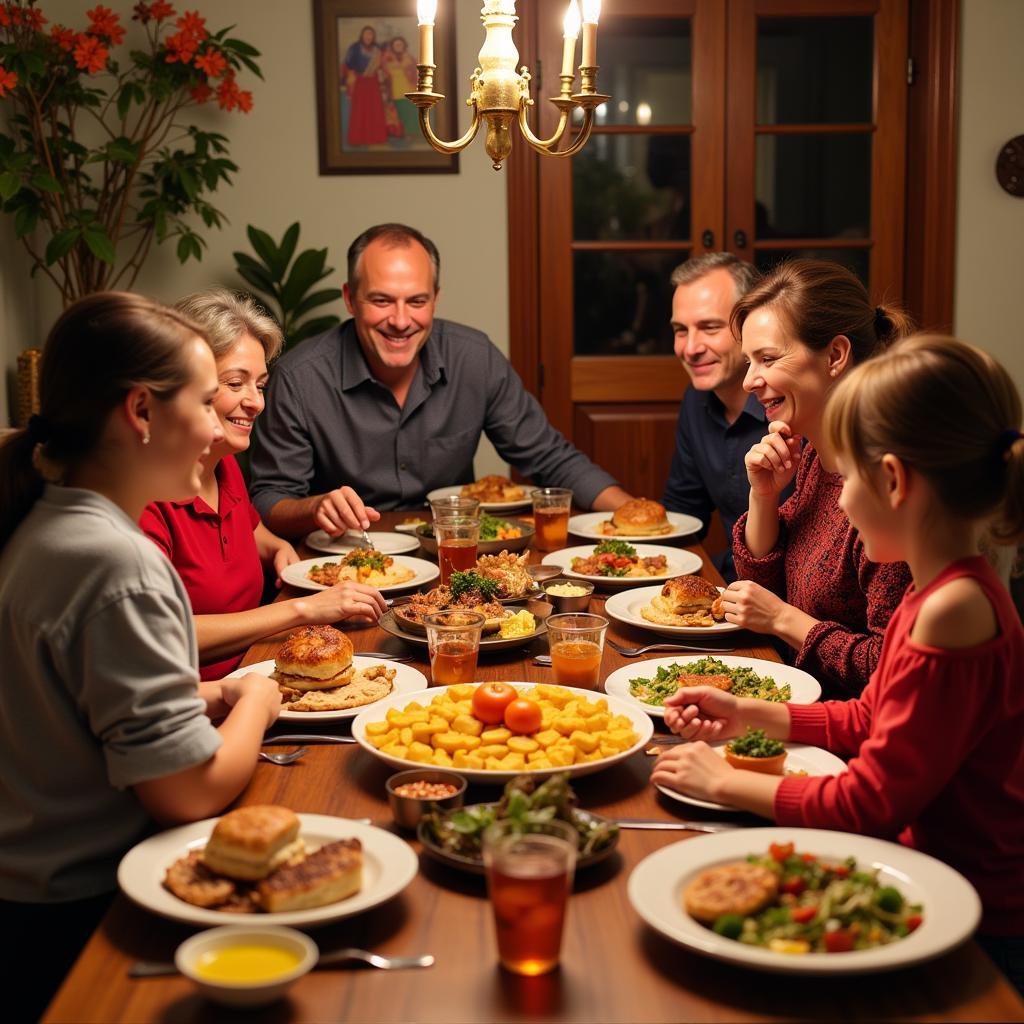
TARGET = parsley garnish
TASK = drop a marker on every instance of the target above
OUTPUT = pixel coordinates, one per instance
(461, 582)
(361, 558)
(615, 547)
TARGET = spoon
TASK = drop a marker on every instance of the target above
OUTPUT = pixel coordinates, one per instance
(286, 758)
(144, 969)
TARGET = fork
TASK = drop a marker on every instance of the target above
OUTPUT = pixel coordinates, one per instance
(634, 652)
(144, 969)
(286, 758)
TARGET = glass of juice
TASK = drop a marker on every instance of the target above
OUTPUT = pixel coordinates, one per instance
(453, 642)
(457, 539)
(551, 517)
(576, 642)
(529, 876)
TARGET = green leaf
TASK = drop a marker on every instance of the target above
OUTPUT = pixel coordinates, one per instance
(267, 251)
(25, 220)
(259, 280)
(9, 184)
(316, 299)
(122, 150)
(306, 271)
(252, 66)
(315, 326)
(60, 245)
(46, 182)
(100, 245)
(124, 101)
(183, 248)
(241, 48)
(288, 242)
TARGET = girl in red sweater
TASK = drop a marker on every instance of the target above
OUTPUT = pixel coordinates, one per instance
(927, 440)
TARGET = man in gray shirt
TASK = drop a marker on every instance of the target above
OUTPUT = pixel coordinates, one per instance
(391, 405)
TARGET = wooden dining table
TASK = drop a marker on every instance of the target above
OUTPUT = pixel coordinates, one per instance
(614, 967)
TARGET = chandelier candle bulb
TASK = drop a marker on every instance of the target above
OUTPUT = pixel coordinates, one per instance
(425, 12)
(570, 31)
(591, 13)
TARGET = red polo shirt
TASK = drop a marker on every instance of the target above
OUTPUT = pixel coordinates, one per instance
(214, 552)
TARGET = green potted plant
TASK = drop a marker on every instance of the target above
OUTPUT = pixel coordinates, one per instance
(100, 161)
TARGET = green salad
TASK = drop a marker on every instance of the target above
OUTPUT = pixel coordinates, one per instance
(822, 907)
(745, 682)
(754, 743)
(491, 528)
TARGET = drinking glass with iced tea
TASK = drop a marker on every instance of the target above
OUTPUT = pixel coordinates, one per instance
(457, 540)
(453, 642)
(576, 643)
(529, 876)
(551, 517)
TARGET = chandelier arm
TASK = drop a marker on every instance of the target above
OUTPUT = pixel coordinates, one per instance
(544, 145)
(577, 145)
(449, 147)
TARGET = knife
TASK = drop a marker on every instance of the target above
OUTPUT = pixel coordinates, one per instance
(689, 826)
(269, 741)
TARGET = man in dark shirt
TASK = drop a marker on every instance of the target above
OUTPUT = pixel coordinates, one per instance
(718, 421)
(392, 403)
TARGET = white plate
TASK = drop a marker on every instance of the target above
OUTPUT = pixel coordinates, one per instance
(626, 607)
(388, 543)
(487, 506)
(801, 757)
(642, 725)
(407, 680)
(410, 527)
(587, 523)
(803, 688)
(680, 563)
(425, 571)
(951, 906)
(389, 865)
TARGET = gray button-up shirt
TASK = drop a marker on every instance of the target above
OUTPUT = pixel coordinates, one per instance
(329, 422)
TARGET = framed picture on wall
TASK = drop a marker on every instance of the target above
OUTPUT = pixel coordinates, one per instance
(366, 55)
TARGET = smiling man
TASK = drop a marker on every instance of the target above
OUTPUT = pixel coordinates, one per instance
(718, 420)
(392, 403)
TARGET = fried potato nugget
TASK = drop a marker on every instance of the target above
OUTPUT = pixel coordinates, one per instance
(739, 888)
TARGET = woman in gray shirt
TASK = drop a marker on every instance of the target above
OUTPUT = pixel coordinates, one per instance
(104, 725)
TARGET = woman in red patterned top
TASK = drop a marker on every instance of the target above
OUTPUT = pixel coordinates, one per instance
(802, 572)
(930, 450)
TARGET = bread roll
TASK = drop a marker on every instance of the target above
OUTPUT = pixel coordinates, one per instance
(641, 516)
(314, 658)
(332, 873)
(250, 842)
(685, 594)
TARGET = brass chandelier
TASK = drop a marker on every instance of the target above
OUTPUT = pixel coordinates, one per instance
(500, 93)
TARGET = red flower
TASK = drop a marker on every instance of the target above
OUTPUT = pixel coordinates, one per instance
(5, 18)
(201, 92)
(142, 12)
(160, 10)
(212, 62)
(63, 37)
(245, 101)
(193, 24)
(105, 23)
(8, 80)
(34, 19)
(90, 54)
(181, 47)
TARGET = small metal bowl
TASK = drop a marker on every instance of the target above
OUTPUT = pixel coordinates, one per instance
(407, 810)
(561, 603)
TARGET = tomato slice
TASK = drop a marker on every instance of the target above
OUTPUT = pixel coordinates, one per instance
(914, 922)
(490, 701)
(780, 851)
(839, 941)
(803, 914)
(793, 884)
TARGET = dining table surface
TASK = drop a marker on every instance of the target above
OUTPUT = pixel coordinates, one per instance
(614, 967)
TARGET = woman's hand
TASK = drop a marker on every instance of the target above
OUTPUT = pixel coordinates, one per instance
(254, 687)
(693, 769)
(751, 606)
(346, 600)
(284, 556)
(771, 463)
(343, 509)
(703, 713)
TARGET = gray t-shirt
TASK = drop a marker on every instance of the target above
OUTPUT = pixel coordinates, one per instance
(98, 693)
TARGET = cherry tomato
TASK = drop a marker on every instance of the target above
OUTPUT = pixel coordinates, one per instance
(841, 871)
(794, 884)
(914, 922)
(803, 914)
(490, 701)
(523, 716)
(808, 858)
(839, 941)
(780, 851)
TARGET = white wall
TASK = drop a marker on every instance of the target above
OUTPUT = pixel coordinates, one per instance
(990, 222)
(275, 148)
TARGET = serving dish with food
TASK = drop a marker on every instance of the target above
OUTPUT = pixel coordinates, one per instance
(455, 837)
(322, 679)
(797, 759)
(496, 535)
(305, 869)
(387, 543)
(507, 625)
(907, 907)
(491, 732)
(682, 606)
(617, 563)
(648, 683)
(636, 519)
(385, 572)
(504, 495)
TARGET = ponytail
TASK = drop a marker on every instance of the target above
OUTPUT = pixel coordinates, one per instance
(21, 483)
(1008, 527)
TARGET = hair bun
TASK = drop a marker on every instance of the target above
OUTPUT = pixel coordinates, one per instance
(883, 322)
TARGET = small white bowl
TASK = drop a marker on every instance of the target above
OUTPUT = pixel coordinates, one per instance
(246, 993)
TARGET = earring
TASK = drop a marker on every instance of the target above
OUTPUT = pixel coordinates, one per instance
(832, 371)
(145, 438)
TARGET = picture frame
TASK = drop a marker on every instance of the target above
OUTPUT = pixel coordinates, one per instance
(366, 53)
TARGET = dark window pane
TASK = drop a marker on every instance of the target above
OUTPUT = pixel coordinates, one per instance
(814, 70)
(623, 302)
(645, 66)
(856, 260)
(813, 186)
(632, 187)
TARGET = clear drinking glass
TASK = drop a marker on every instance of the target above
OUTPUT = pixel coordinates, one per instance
(576, 643)
(551, 517)
(457, 539)
(529, 876)
(453, 642)
(454, 505)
